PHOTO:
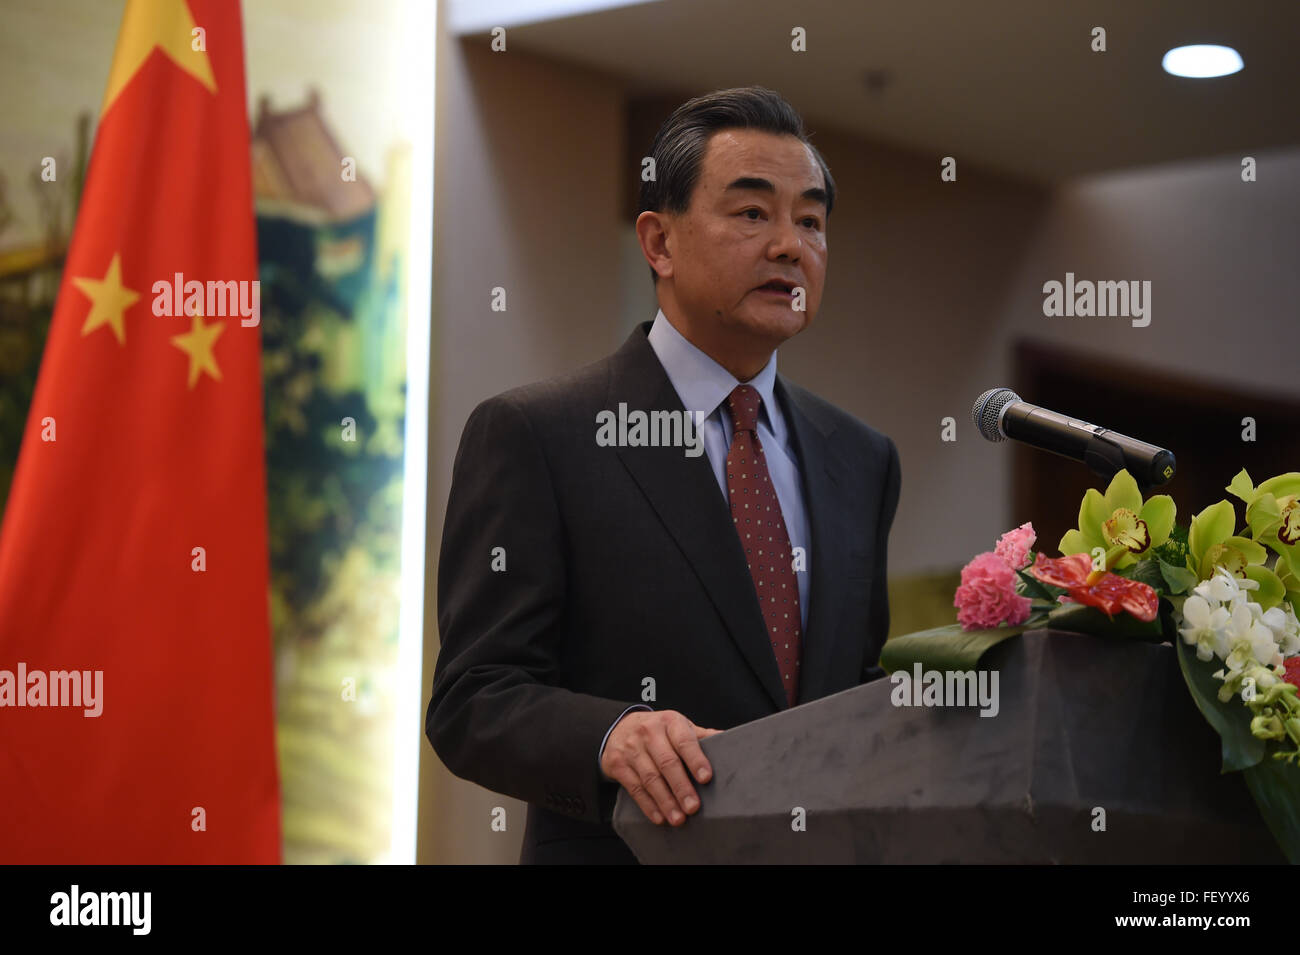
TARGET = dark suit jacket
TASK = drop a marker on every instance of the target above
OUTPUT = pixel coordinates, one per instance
(622, 564)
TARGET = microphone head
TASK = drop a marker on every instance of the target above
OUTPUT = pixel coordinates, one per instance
(988, 412)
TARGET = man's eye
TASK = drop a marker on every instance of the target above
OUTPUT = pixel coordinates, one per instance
(813, 220)
(816, 223)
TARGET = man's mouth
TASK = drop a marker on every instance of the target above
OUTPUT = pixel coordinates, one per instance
(778, 287)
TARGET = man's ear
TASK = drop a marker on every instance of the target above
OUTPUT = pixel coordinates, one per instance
(652, 231)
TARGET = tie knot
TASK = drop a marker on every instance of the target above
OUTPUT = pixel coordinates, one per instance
(743, 402)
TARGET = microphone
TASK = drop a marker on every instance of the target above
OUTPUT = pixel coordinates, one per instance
(999, 414)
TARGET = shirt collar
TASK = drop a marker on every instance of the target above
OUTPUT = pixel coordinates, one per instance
(701, 382)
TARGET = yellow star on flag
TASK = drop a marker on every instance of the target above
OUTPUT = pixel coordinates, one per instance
(148, 25)
(197, 343)
(109, 300)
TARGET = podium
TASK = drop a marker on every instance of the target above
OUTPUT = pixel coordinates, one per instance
(1097, 754)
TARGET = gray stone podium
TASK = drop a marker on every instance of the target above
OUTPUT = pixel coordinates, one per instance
(1083, 723)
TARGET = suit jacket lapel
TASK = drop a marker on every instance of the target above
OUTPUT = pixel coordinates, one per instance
(827, 484)
(684, 493)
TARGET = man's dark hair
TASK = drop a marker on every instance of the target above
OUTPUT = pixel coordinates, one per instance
(678, 148)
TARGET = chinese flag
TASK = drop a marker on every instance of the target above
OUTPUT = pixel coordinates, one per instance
(134, 546)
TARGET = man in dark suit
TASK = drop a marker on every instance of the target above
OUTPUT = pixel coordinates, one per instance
(618, 581)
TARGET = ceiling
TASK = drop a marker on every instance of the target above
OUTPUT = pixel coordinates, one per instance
(1012, 86)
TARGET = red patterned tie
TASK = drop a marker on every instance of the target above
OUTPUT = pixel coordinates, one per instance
(756, 513)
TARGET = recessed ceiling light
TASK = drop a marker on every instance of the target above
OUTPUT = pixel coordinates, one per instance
(1202, 61)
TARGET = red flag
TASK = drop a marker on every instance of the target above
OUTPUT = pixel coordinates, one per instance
(134, 547)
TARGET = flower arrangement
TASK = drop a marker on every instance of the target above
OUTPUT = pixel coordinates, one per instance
(1225, 597)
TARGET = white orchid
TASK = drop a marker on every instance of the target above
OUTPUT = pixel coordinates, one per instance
(1220, 620)
(1285, 627)
(1249, 640)
(1225, 588)
(1206, 627)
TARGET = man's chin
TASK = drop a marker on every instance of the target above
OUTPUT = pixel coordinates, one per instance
(776, 323)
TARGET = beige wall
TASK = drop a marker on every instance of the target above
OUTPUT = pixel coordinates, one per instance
(526, 198)
(928, 284)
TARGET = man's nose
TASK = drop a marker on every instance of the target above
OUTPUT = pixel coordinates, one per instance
(788, 243)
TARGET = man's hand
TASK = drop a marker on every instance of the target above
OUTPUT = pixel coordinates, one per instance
(645, 753)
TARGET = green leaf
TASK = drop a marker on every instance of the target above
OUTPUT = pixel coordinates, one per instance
(1276, 787)
(1148, 572)
(943, 648)
(1178, 579)
(1036, 588)
(1079, 618)
(1230, 720)
(1174, 550)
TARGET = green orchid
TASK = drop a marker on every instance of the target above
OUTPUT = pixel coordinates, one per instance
(1119, 523)
(1273, 515)
(1212, 543)
(1290, 581)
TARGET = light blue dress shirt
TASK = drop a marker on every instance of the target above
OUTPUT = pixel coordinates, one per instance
(703, 386)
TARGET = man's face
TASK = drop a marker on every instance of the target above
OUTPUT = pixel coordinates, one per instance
(739, 233)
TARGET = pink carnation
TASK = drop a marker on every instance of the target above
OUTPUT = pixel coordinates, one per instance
(987, 595)
(1013, 546)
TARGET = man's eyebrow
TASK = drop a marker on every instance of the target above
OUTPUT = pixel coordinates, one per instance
(763, 185)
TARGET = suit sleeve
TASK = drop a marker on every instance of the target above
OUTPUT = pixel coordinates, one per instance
(498, 715)
(879, 585)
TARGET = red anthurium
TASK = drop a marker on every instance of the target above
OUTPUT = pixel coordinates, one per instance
(1067, 572)
(1108, 592)
(1292, 665)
